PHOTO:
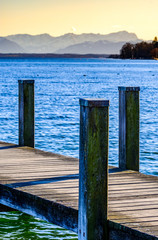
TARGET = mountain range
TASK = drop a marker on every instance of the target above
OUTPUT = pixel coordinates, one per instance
(86, 43)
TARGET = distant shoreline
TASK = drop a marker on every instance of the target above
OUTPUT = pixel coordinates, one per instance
(66, 55)
(51, 55)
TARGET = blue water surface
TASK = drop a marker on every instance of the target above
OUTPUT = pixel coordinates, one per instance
(59, 83)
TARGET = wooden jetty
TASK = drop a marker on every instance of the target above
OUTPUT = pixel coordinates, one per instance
(86, 196)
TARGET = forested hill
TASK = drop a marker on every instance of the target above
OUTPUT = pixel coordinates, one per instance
(142, 50)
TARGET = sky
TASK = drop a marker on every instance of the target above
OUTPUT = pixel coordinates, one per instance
(57, 17)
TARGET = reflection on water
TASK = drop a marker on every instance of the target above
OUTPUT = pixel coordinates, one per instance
(17, 225)
(59, 83)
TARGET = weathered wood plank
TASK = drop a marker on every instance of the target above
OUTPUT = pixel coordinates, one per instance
(47, 210)
(133, 197)
(140, 220)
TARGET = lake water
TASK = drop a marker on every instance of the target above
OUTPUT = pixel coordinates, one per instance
(59, 83)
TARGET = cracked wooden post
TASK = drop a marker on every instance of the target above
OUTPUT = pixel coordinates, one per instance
(26, 113)
(129, 128)
(93, 169)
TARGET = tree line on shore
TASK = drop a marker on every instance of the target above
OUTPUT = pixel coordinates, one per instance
(142, 50)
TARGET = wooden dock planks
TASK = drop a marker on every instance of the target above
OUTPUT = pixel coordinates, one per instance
(46, 185)
(133, 201)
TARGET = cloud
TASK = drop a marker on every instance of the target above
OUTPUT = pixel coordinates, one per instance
(73, 29)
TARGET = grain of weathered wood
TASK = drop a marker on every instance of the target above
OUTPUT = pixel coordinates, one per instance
(26, 113)
(93, 169)
(129, 128)
(133, 197)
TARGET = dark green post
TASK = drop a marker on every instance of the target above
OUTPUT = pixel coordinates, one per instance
(93, 170)
(26, 113)
(129, 128)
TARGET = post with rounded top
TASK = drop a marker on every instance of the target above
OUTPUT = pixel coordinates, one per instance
(129, 128)
(93, 169)
(26, 113)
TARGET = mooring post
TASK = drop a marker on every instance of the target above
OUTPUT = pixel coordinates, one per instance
(26, 113)
(129, 128)
(93, 169)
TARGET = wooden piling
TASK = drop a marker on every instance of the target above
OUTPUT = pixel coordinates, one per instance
(129, 128)
(93, 169)
(26, 113)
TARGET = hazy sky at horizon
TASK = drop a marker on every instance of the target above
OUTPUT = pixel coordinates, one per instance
(57, 17)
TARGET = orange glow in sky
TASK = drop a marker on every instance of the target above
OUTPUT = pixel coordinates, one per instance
(58, 17)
